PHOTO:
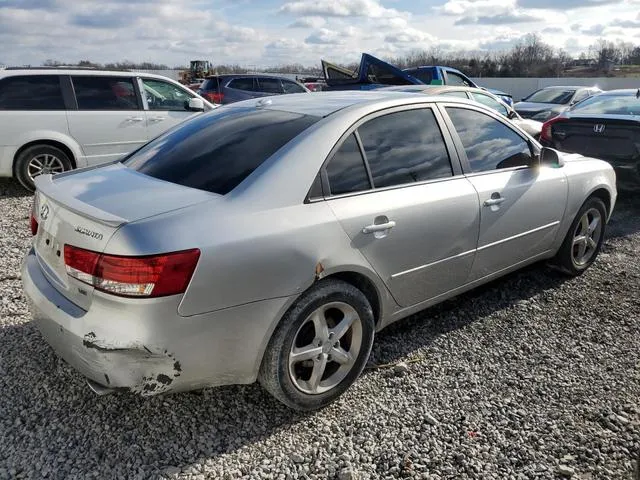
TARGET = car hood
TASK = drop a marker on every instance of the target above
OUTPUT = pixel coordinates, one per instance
(538, 107)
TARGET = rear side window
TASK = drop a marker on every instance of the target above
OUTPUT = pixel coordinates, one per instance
(292, 87)
(489, 144)
(35, 92)
(491, 103)
(217, 151)
(248, 84)
(211, 84)
(105, 93)
(346, 170)
(456, 79)
(405, 147)
(270, 85)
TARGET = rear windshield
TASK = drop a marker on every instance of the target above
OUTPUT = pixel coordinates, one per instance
(217, 151)
(558, 96)
(609, 105)
(425, 75)
(211, 84)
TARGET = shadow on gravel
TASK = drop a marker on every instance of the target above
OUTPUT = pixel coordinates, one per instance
(11, 188)
(625, 220)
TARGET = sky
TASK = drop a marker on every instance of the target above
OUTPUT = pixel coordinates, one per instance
(260, 33)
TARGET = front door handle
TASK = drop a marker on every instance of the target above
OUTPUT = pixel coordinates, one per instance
(495, 199)
(156, 119)
(135, 119)
(379, 227)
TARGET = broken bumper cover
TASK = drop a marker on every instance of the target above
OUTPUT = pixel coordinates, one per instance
(146, 346)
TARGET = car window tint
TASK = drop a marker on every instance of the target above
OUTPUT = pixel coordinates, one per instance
(455, 94)
(270, 85)
(292, 87)
(405, 147)
(455, 79)
(346, 170)
(490, 102)
(104, 93)
(489, 144)
(217, 151)
(247, 84)
(37, 92)
(165, 96)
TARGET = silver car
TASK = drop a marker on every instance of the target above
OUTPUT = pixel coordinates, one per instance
(269, 240)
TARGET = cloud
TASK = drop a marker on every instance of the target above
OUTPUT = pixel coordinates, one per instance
(308, 22)
(324, 36)
(553, 30)
(340, 8)
(499, 19)
(564, 4)
(626, 23)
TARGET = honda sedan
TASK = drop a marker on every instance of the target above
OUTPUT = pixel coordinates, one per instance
(270, 240)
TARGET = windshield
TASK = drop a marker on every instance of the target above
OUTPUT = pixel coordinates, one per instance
(559, 96)
(609, 105)
(217, 151)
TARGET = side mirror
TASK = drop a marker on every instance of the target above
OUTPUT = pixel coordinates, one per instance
(511, 115)
(550, 158)
(196, 105)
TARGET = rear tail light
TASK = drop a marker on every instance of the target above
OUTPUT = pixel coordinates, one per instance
(214, 97)
(33, 221)
(140, 277)
(545, 133)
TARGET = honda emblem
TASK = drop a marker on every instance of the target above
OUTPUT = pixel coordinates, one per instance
(599, 128)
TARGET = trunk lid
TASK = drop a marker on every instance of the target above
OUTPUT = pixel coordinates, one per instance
(606, 137)
(86, 208)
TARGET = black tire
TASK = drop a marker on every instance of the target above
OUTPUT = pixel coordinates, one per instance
(23, 161)
(274, 375)
(565, 259)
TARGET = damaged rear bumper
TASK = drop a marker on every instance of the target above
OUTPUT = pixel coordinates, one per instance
(146, 346)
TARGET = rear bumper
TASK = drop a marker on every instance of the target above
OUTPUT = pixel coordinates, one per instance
(145, 346)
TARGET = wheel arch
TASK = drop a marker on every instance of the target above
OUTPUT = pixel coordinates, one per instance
(605, 195)
(71, 152)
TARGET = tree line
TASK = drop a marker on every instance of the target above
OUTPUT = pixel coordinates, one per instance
(530, 57)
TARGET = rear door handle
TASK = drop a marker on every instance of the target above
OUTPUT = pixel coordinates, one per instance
(156, 119)
(379, 227)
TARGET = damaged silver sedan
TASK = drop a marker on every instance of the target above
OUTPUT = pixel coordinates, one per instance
(269, 240)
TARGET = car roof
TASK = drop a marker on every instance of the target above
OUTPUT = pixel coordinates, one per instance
(434, 88)
(622, 92)
(11, 72)
(323, 104)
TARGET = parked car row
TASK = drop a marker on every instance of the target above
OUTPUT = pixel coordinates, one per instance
(271, 240)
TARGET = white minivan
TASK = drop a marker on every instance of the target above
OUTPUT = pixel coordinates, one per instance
(56, 119)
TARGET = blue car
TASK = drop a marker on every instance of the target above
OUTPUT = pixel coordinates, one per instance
(375, 73)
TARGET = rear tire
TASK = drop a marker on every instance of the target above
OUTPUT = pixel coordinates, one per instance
(37, 160)
(320, 346)
(584, 239)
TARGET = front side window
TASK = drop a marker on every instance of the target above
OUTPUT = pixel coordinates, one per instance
(346, 170)
(31, 92)
(405, 147)
(105, 93)
(217, 151)
(490, 102)
(270, 85)
(165, 96)
(488, 143)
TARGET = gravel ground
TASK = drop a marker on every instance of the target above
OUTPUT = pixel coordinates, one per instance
(532, 376)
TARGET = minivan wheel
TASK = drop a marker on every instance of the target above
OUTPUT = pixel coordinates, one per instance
(38, 160)
(320, 347)
(584, 239)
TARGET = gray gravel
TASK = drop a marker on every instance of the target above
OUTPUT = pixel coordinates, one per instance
(533, 376)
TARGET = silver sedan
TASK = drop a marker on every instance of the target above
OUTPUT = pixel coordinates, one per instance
(269, 240)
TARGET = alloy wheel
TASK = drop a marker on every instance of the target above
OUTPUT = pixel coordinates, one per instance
(586, 237)
(43, 164)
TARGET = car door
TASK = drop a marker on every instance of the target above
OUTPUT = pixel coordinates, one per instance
(109, 121)
(522, 203)
(166, 105)
(396, 186)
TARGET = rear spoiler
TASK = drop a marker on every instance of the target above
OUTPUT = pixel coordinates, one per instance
(46, 185)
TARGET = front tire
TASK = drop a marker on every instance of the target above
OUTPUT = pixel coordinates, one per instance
(37, 160)
(320, 346)
(584, 239)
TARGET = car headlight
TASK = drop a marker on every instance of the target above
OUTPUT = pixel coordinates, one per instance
(544, 116)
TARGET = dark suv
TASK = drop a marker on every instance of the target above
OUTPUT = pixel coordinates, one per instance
(233, 88)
